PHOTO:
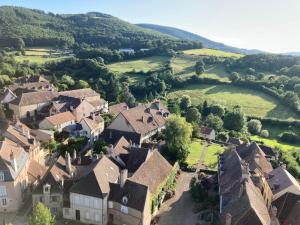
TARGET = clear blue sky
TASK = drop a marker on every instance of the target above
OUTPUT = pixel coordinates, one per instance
(271, 25)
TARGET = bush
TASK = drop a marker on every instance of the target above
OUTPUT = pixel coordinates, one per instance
(264, 133)
(254, 126)
(289, 136)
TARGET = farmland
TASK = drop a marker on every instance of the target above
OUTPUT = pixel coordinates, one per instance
(212, 52)
(252, 102)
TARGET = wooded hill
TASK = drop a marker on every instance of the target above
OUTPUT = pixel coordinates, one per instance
(37, 28)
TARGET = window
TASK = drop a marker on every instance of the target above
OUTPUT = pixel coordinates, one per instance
(53, 210)
(3, 202)
(77, 200)
(124, 200)
(87, 215)
(124, 209)
(47, 188)
(54, 198)
(97, 217)
(96, 204)
(1, 176)
(86, 201)
(110, 204)
(3, 191)
(41, 199)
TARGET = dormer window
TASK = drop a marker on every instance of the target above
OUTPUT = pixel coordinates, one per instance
(47, 188)
(124, 200)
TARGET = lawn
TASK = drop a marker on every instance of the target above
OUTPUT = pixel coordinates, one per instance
(195, 152)
(145, 64)
(253, 102)
(211, 157)
(39, 59)
(211, 52)
(275, 144)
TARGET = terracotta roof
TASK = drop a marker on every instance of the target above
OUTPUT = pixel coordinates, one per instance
(20, 131)
(60, 118)
(31, 86)
(91, 123)
(32, 98)
(96, 183)
(36, 170)
(255, 157)
(137, 156)
(234, 141)
(117, 108)
(136, 194)
(146, 118)
(42, 135)
(293, 217)
(121, 147)
(80, 93)
(206, 130)
(153, 171)
(35, 78)
(281, 182)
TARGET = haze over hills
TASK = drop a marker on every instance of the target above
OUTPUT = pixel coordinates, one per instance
(185, 35)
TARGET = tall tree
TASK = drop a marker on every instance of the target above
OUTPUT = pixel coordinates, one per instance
(214, 122)
(199, 67)
(178, 135)
(41, 216)
(234, 120)
(185, 102)
(3, 120)
(193, 115)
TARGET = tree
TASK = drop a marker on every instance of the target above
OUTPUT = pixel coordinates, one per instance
(289, 136)
(127, 97)
(173, 106)
(193, 115)
(199, 67)
(234, 120)
(217, 110)
(178, 135)
(185, 102)
(82, 84)
(3, 120)
(291, 99)
(234, 77)
(205, 109)
(41, 216)
(222, 136)
(214, 122)
(264, 133)
(100, 146)
(68, 80)
(254, 126)
(297, 89)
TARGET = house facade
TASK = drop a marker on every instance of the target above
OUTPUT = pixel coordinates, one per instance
(58, 121)
(92, 127)
(207, 133)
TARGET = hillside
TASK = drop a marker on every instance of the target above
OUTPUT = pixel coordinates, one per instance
(37, 28)
(185, 35)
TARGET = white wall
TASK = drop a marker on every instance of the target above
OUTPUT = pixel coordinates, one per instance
(120, 123)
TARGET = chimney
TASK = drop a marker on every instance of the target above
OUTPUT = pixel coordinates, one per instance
(79, 160)
(110, 150)
(228, 219)
(74, 154)
(68, 162)
(123, 177)
(157, 103)
(13, 161)
(283, 166)
(62, 182)
(93, 116)
(28, 134)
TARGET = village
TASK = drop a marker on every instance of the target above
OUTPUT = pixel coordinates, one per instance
(128, 181)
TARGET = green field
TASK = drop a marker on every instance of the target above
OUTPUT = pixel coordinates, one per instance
(275, 144)
(211, 52)
(211, 157)
(195, 152)
(145, 64)
(253, 102)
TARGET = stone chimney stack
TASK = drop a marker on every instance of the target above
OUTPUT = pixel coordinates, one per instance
(93, 116)
(13, 161)
(110, 149)
(74, 154)
(123, 177)
(28, 134)
(228, 219)
(68, 163)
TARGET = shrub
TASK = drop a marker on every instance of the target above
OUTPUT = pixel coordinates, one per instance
(254, 126)
(289, 136)
(264, 133)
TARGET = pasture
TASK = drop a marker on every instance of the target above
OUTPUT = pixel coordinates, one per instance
(252, 102)
(211, 52)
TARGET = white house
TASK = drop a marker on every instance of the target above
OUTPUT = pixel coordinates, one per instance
(58, 121)
(92, 127)
(207, 133)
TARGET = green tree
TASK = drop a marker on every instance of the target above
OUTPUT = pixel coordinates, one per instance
(82, 84)
(178, 135)
(234, 77)
(264, 133)
(199, 67)
(222, 136)
(214, 122)
(297, 89)
(100, 146)
(127, 97)
(185, 102)
(3, 120)
(41, 216)
(217, 110)
(205, 109)
(254, 126)
(193, 115)
(68, 80)
(234, 120)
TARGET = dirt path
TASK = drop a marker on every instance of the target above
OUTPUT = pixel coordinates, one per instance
(179, 209)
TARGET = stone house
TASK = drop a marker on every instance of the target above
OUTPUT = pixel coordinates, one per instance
(57, 121)
(92, 127)
(138, 124)
(207, 133)
(117, 108)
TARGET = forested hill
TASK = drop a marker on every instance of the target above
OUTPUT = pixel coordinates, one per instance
(185, 35)
(37, 28)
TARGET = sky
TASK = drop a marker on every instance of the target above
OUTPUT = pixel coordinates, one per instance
(269, 25)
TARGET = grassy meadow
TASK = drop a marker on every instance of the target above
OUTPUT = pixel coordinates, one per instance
(253, 103)
(212, 52)
(196, 149)
(211, 157)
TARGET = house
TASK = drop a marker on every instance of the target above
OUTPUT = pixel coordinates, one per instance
(234, 141)
(21, 134)
(207, 133)
(129, 203)
(270, 153)
(29, 104)
(92, 127)
(89, 196)
(58, 121)
(43, 136)
(117, 108)
(286, 194)
(17, 175)
(127, 50)
(138, 124)
(31, 79)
